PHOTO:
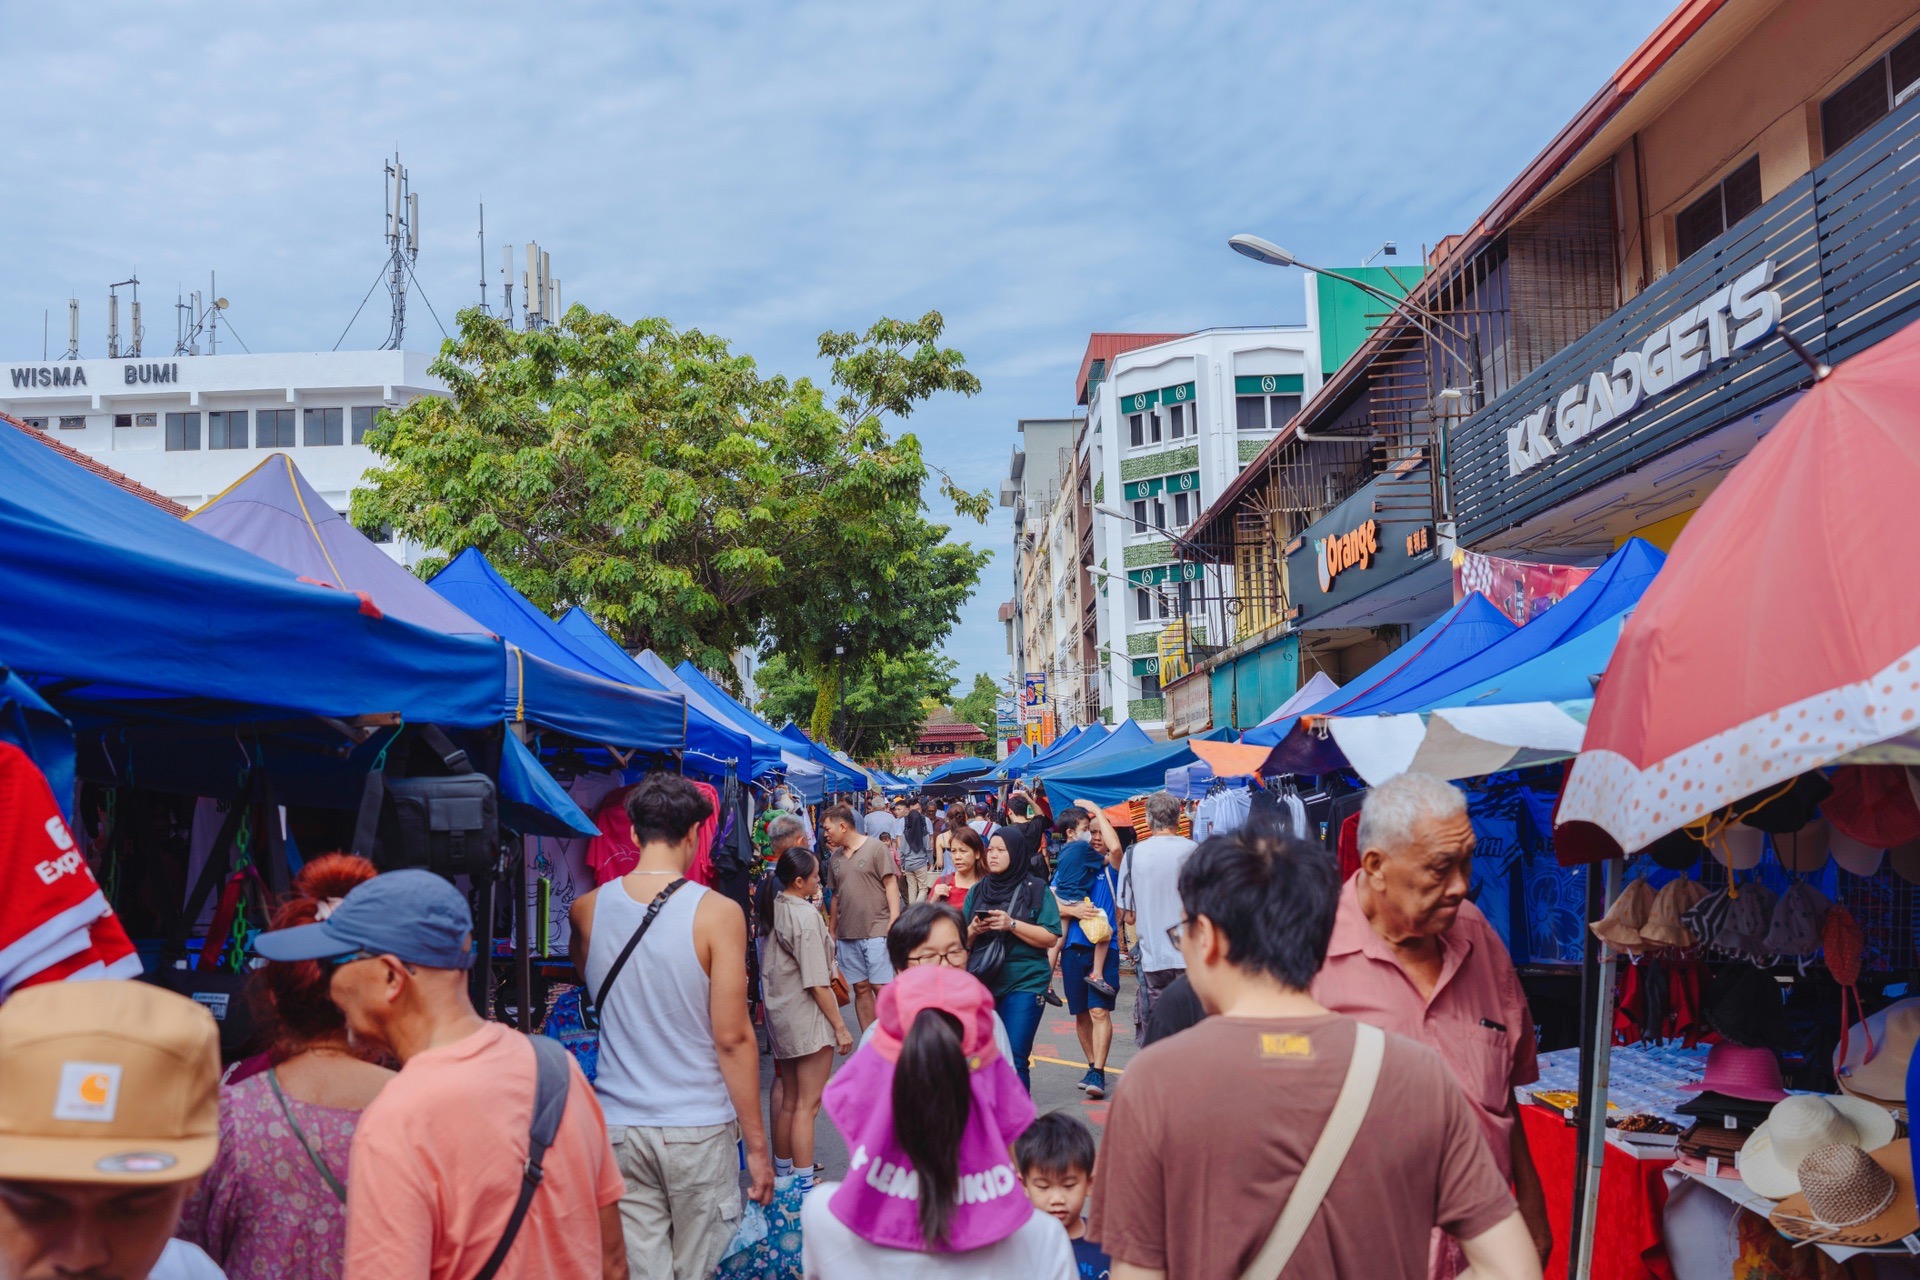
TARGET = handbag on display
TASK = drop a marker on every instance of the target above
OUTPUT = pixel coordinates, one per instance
(447, 823)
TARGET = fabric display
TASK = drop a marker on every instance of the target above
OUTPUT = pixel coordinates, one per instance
(1137, 819)
(1220, 812)
(613, 852)
(54, 920)
(1658, 1001)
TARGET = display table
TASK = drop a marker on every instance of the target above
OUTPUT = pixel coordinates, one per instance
(1633, 1197)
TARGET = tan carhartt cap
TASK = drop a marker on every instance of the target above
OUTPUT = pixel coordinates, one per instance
(107, 1082)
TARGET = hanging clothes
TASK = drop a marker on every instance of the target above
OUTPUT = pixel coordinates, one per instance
(613, 852)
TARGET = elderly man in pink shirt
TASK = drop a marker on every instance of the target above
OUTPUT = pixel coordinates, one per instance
(1411, 955)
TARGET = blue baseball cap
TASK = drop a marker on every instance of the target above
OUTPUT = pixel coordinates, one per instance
(414, 915)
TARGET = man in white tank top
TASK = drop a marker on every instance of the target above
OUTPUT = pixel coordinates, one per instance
(679, 1075)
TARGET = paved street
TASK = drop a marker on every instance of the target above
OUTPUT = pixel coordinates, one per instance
(1057, 1064)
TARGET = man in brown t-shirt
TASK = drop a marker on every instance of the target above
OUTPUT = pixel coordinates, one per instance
(865, 903)
(1191, 1181)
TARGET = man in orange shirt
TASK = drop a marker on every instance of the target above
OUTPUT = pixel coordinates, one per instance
(438, 1157)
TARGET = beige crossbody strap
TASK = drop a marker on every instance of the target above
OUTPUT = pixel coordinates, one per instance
(1328, 1154)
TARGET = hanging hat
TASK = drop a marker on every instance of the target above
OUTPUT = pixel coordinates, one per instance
(1842, 945)
(878, 1201)
(1905, 861)
(1677, 850)
(1852, 1197)
(1882, 1077)
(1620, 927)
(1743, 934)
(1769, 1162)
(1803, 851)
(1740, 1072)
(1743, 1004)
(1704, 918)
(1852, 855)
(1795, 927)
(1664, 926)
(1778, 811)
(1739, 847)
(1873, 804)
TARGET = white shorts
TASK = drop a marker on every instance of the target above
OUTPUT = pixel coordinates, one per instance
(864, 960)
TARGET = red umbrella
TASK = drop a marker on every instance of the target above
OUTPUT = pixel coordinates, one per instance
(1783, 633)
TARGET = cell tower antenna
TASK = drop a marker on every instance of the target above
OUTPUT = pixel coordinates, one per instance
(403, 247)
(73, 329)
(113, 319)
(506, 283)
(483, 259)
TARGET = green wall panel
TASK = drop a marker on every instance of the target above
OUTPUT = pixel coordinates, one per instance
(1348, 315)
(1161, 464)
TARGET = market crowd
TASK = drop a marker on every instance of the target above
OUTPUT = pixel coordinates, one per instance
(1310, 1040)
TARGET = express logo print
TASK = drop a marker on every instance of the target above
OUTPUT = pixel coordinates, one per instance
(88, 1091)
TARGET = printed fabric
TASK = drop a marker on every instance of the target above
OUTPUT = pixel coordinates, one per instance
(613, 852)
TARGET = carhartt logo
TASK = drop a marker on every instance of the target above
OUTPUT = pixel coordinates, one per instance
(88, 1091)
(1280, 1045)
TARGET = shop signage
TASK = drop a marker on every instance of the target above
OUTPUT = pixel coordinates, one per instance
(1268, 384)
(70, 374)
(1033, 697)
(1419, 540)
(1189, 706)
(1732, 318)
(1140, 401)
(1338, 552)
(1172, 645)
(1185, 482)
(1165, 573)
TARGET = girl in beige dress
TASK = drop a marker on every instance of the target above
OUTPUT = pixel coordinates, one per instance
(804, 1026)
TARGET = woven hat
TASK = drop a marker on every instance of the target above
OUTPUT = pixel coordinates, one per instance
(1743, 934)
(1740, 847)
(1620, 927)
(1853, 855)
(1664, 926)
(1873, 804)
(1805, 850)
(1795, 927)
(1852, 1197)
(1769, 1161)
(1881, 1077)
(1740, 1072)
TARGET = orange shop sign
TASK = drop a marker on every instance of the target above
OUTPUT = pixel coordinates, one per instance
(1342, 551)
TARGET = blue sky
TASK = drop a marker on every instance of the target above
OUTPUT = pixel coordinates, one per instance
(767, 171)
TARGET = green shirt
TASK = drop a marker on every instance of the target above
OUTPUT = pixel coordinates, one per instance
(1027, 967)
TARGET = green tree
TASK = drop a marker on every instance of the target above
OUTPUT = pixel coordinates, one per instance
(692, 505)
(884, 705)
(978, 707)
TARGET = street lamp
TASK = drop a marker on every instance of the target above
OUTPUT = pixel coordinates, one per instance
(1116, 514)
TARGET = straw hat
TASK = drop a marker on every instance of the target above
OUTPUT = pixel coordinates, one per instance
(1664, 926)
(1882, 1076)
(1852, 1197)
(1620, 927)
(1769, 1162)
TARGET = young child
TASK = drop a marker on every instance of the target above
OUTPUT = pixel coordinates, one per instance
(1055, 1156)
(1073, 878)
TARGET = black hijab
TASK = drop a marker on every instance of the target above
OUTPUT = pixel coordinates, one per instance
(998, 888)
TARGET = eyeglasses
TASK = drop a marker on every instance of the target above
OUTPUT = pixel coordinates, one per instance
(952, 957)
(1173, 933)
(331, 964)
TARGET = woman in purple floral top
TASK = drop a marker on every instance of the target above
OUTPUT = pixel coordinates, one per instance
(273, 1205)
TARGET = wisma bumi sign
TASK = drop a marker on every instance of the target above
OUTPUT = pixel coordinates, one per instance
(68, 374)
(1732, 318)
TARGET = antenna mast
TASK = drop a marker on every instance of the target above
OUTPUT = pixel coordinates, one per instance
(403, 246)
(113, 319)
(483, 259)
(73, 329)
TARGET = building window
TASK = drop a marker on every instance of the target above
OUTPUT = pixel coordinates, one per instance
(1181, 505)
(325, 426)
(146, 420)
(1154, 428)
(1866, 99)
(1150, 684)
(1265, 413)
(38, 424)
(1281, 410)
(362, 422)
(1137, 429)
(1140, 516)
(1159, 515)
(1177, 421)
(273, 429)
(1186, 597)
(1143, 604)
(122, 419)
(227, 429)
(1730, 200)
(183, 432)
(73, 422)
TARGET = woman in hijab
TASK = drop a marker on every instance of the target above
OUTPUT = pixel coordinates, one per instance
(1012, 923)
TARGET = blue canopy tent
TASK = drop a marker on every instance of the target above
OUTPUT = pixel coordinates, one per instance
(957, 770)
(1456, 635)
(1078, 738)
(1016, 762)
(42, 733)
(1128, 736)
(839, 776)
(766, 750)
(1110, 777)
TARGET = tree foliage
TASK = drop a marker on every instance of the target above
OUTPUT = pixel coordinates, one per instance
(883, 707)
(978, 707)
(694, 506)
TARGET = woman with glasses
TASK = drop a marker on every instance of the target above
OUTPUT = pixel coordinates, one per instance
(1012, 914)
(933, 933)
(274, 1202)
(968, 853)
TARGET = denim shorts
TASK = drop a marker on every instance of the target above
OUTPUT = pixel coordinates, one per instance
(864, 960)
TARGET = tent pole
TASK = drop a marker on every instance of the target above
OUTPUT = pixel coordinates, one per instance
(1595, 1061)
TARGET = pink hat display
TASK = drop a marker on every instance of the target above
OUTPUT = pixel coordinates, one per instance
(880, 1199)
(1740, 1072)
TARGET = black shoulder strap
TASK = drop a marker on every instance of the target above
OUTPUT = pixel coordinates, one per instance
(549, 1104)
(620, 961)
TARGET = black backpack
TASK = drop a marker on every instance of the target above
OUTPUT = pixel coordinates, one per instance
(447, 823)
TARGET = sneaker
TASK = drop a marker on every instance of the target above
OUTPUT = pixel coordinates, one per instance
(1101, 985)
(1053, 998)
(1096, 1083)
(1090, 1079)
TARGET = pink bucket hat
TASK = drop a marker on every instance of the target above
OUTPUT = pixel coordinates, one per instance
(1740, 1072)
(880, 1199)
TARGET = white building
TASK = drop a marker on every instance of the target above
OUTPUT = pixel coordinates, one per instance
(1170, 422)
(189, 426)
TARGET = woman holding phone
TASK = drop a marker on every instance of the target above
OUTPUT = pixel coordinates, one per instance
(1012, 924)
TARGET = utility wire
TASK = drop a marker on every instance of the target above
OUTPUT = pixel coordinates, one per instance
(362, 307)
(429, 301)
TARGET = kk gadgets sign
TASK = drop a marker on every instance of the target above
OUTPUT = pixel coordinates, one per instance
(1731, 319)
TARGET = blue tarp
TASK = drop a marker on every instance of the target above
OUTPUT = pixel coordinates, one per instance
(707, 734)
(958, 769)
(119, 612)
(30, 724)
(1452, 638)
(1016, 761)
(531, 802)
(1128, 736)
(1109, 777)
(1563, 673)
(1078, 738)
(838, 776)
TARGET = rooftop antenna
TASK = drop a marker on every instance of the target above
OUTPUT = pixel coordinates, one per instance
(73, 329)
(403, 246)
(113, 319)
(506, 283)
(483, 259)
